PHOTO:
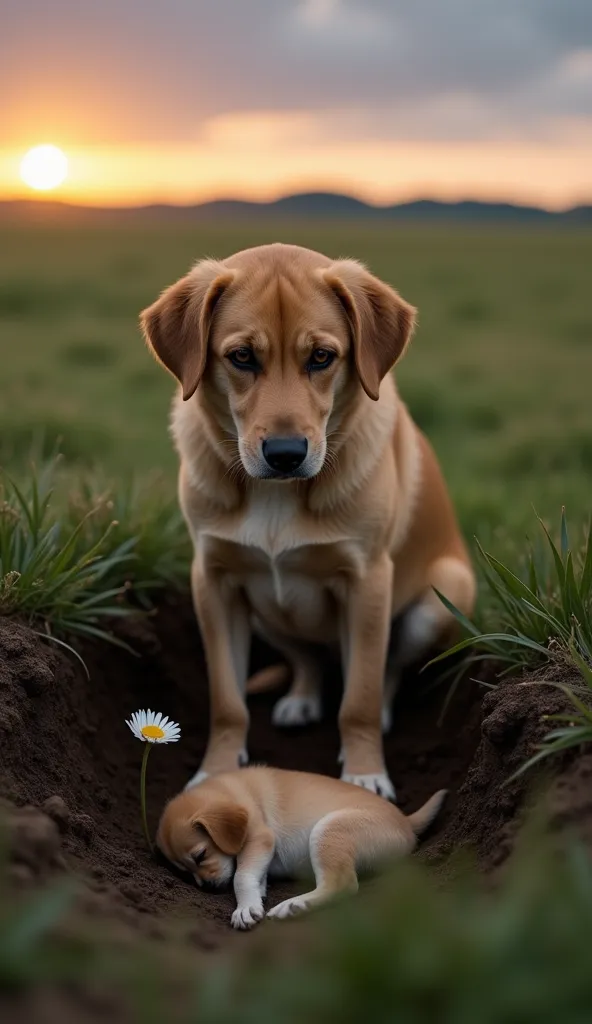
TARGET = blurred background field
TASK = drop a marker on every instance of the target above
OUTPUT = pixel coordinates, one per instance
(498, 374)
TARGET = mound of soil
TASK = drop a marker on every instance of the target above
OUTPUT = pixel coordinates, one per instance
(69, 770)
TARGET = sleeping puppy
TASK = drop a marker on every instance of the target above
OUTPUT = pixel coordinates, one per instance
(257, 822)
(316, 507)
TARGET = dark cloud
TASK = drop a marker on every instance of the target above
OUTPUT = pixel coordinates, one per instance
(150, 70)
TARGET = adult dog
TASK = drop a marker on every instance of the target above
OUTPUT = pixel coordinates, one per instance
(316, 507)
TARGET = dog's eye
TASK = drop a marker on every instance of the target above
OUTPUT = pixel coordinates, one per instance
(198, 857)
(320, 359)
(244, 358)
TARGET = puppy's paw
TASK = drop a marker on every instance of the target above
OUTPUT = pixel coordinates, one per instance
(244, 918)
(379, 784)
(196, 779)
(288, 908)
(291, 711)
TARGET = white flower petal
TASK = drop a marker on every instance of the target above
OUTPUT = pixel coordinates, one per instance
(139, 720)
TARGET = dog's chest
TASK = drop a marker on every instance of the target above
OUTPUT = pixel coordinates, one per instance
(291, 573)
(291, 857)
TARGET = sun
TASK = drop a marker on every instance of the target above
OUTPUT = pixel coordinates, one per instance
(44, 168)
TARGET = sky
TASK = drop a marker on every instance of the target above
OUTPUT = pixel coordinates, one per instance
(183, 100)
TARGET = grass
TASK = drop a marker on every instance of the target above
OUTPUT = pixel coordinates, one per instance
(72, 569)
(410, 952)
(542, 612)
(541, 609)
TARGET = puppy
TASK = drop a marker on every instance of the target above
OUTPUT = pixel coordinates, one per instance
(264, 821)
(316, 507)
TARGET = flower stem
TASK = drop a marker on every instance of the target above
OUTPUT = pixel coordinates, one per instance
(147, 749)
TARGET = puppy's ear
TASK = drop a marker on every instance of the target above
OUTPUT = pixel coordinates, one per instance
(226, 824)
(381, 322)
(177, 326)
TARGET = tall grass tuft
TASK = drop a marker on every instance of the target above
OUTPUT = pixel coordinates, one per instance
(72, 570)
(543, 611)
(545, 615)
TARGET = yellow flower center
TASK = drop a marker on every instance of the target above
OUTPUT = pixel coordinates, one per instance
(152, 732)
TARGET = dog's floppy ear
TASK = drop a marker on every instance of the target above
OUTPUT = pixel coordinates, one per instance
(226, 824)
(381, 322)
(177, 326)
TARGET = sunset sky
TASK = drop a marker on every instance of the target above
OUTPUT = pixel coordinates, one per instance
(183, 100)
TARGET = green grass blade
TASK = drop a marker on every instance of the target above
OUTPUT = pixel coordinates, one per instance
(38, 918)
(586, 580)
(62, 643)
(458, 615)
(564, 536)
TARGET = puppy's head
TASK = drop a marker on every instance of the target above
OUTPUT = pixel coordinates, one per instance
(282, 341)
(203, 833)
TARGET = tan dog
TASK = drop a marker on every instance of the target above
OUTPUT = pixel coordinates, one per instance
(317, 509)
(263, 821)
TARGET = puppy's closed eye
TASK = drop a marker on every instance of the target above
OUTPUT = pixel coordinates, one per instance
(197, 858)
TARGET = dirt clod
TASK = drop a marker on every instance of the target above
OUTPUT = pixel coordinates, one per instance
(56, 807)
(33, 839)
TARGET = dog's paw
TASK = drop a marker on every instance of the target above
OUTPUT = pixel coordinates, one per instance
(196, 779)
(201, 775)
(288, 908)
(386, 719)
(291, 711)
(244, 918)
(379, 784)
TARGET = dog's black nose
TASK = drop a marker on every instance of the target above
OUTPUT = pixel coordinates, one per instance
(284, 454)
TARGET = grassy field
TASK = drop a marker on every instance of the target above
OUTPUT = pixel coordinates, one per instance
(498, 374)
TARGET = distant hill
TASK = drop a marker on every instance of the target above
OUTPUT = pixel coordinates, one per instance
(307, 205)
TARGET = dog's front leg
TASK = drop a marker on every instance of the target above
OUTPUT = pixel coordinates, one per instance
(365, 630)
(226, 633)
(250, 878)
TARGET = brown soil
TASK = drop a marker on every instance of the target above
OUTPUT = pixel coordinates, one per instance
(69, 770)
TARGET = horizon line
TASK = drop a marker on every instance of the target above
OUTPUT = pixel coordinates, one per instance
(47, 200)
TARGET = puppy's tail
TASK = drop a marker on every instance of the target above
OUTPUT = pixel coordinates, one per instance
(269, 678)
(423, 818)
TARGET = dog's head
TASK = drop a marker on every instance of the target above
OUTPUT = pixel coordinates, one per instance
(282, 340)
(202, 833)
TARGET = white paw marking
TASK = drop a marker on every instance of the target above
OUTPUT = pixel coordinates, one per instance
(379, 784)
(242, 759)
(386, 719)
(288, 908)
(291, 711)
(196, 779)
(419, 630)
(244, 918)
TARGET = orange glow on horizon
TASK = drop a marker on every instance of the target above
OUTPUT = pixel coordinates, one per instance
(261, 162)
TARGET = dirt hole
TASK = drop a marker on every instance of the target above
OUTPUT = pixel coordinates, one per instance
(69, 771)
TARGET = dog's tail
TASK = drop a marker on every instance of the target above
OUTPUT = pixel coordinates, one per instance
(423, 818)
(269, 678)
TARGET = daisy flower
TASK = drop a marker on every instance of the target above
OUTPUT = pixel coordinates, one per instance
(150, 727)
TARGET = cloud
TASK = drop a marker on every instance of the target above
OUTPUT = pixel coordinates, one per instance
(428, 69)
